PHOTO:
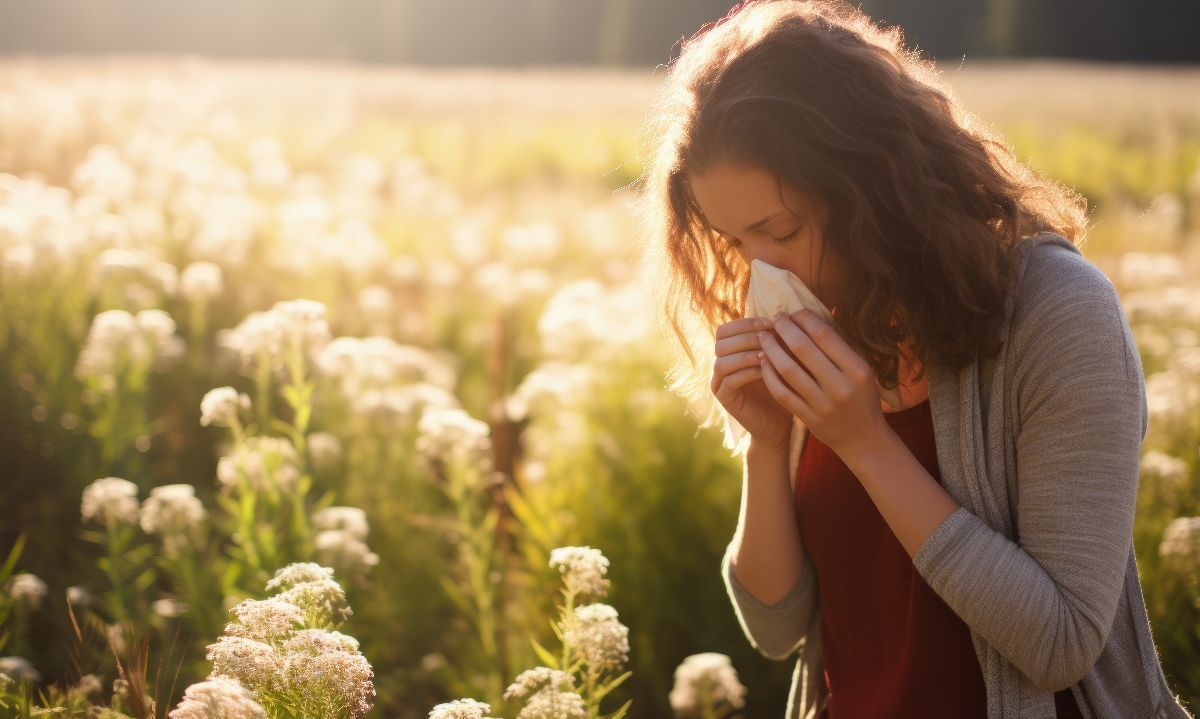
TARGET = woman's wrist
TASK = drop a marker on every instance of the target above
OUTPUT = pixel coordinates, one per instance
(759, 445)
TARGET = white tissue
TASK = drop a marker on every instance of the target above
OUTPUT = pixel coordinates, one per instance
(774, 289)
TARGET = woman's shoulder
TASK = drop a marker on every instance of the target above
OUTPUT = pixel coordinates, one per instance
(1068, 321)
(1054, 273)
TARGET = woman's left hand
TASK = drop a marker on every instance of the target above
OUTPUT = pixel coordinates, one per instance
(832, 389)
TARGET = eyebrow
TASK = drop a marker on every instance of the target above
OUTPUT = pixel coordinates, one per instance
(755, 225)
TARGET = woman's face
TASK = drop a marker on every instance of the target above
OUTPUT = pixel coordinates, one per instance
(743, 204)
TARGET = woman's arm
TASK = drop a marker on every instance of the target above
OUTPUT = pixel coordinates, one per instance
(767, 573)
(1047, 601)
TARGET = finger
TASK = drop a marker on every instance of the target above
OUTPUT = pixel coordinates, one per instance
(828, 339)
(728, 364)
(794, 375)
(808, 352)
(740, 342)
(742, 325)
(783, 394)
(736, 380)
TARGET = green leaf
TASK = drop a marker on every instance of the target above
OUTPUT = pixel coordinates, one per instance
(144, 580)
(15, 552)
(619, 713)
(281, 427)
(544, 654)
(607, 687)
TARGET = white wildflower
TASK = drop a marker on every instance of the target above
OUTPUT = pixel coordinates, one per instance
(552, 385)
(113, 337)
(345, 552)
(461, 709)
(702, 679)
(324, 450)
(256, 664)
(595, 633)
(1181, 544)
(1170, 471)
(19, 668)
(547, 694)
(173, 512)
(88, 686)
(351, 520)
(220, 407)
(26, 589)
(169, 607)
(110, 499)
(453, 436)
(316, 641)
(79, 596)
(297, 573)
(268, 620)
(322, 601)
(583, 569)
(340, 679)
(218, 697)
(201, 281)
(531, 681)
(263, 463)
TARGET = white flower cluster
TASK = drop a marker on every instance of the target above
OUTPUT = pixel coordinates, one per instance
(395, 407)
(220, 407)
(26, 589)
(587, 321)
(705, 679)
(201, 281)
(461, 709)
(221, 697)
(582, 569)
(1180, 546)
(455, 437)
(286, 648)
(363, 364)
(18, 668)
(341, 541)
(552, 386)
(143, 279)
(1171, 472)
(262, 463)
(118, 340)
(173, 512)
(110, 500)
(595, 633)
(290, 324)
(548, 694)
(324, 450)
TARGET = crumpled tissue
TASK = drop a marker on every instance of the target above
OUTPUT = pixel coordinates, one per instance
(774, 289)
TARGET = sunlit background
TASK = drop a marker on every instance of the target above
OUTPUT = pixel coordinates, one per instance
(319, 337)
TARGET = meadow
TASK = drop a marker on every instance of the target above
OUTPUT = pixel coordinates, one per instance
(327, 390)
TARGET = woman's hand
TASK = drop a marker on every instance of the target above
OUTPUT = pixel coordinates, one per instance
(831, 389)
(737, 382)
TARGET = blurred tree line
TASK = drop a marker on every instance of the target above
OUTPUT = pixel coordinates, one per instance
(571, 32)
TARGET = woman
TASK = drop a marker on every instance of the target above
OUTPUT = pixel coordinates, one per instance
(969, 552)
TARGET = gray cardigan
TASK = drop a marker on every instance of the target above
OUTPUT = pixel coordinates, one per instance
(1041, 447)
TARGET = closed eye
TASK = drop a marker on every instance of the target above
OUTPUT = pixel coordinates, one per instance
(790, 236)
(786, 238)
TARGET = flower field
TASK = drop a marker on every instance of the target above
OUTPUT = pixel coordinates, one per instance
(335, 391)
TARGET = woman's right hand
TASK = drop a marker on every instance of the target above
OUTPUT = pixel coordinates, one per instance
(737, 382)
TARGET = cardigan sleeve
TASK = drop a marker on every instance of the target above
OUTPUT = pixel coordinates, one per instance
(774, 630)
(1047, 601)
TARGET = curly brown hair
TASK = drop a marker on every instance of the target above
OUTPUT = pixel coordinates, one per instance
(926, 205)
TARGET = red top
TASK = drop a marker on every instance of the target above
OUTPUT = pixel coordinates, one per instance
(892, 647)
